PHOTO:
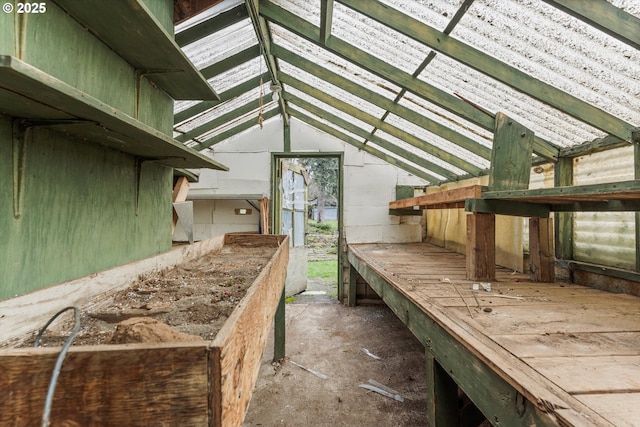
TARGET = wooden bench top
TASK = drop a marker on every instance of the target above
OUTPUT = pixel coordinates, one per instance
(572, 351)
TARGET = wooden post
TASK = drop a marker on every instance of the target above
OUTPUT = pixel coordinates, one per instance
(279, 335)
(442, 395)
(351, 295)
(180, 192)
(481, 246)
(541, 255)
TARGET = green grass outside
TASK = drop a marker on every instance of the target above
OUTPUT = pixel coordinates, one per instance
(325, 270)
(324, 227)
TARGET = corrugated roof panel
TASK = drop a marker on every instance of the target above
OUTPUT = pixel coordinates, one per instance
(419, 153)
(329, 109)
(558, 49)
(222, 44)
(547, 122)
(436, 141)
(233, 77)
(251, 116)
(632, 7)
(225, 108)
(331, 90)
(377, 39)
(436, 14)
(215, 10)
(307, 10)
(443, 117)
(328, 60)
(329, 123)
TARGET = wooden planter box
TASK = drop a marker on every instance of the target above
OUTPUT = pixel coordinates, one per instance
(204, 383)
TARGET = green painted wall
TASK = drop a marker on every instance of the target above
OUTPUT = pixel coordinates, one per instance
(78, 213)
(79, 203)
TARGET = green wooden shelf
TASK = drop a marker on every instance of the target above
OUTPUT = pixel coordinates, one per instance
(131, 30)
(29, 93)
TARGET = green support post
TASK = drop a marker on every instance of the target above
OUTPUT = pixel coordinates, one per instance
(563, 222)
(353, 276)
(442, 395)
(279, 329)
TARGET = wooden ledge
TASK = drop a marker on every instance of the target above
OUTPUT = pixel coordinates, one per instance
(447, 199)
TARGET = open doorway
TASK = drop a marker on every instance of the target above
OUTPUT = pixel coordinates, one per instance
(320, 224)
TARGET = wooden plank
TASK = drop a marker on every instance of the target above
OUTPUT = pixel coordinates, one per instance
(447, 196)
(507, 207)
(481, 255)
(27, 313)
(180, 192)
(541, 254)
(243, 336)
(624, 190)
(442, 395)
(622, 409)
(573, 344)
(591, 375)
(133, 385)
(511, 155)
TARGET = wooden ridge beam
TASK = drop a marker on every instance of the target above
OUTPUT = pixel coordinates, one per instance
(493, 67)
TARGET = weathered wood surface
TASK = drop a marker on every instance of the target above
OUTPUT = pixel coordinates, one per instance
(186, 384)
(481, 246)
(26, 313)
(441, 199)
(557, 343)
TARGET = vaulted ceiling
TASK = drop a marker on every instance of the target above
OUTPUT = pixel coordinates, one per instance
(418, 82)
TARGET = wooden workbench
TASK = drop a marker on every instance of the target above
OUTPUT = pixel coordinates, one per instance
(545, 354)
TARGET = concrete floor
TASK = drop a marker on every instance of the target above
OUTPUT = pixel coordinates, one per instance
(328, 338)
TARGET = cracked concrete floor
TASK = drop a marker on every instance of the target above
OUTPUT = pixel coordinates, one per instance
(328, 338)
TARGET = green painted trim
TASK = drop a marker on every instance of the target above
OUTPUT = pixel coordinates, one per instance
(382, 102)
(212, 25)
(247, 124)
(605, 17)
(326, 18)
(142, 41)
(442, 395)
(600, 144)
(604, 270)
(354, 142)
(233, 61)
(220, 120)
(507, 207)
(287, 137)
(489, 392)
(235, 91)
(279, 328)
(492, 67)
(636, 175)
(608, 206)
(392, 130)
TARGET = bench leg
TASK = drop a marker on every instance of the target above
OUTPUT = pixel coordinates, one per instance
(541, 254)
(442, 395)
(279, 329)
(481, 246)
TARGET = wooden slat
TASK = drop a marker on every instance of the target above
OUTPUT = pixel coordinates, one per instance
(623, 409)
(481, 246)
(625, 190)
(455, 195)
(133, 385)
(541, 254)
(590, 375)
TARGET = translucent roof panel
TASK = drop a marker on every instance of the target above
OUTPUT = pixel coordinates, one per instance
(328, 123)
(222, 44)
(245, 118)
(307, 10)
(243, 72)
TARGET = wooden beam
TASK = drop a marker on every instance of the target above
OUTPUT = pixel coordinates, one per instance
(212, 25)
(233, 61)
(185, 9)
(180, 192)
(383, 102)
(541, 255)
(605, 17)
(434, 199)
(507, 207)
(220, 120)
(494, 68)
(247, 124)
(364, 147)
(235, 91)
(392, 130)
(442, 395)
(326, 18)
(624, 190)
(563, 222)
(511, 155)
(481, 246)
(364, 134)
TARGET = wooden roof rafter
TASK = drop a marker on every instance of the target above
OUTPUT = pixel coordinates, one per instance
(212, 25)
(339, 47)
(492, 67)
